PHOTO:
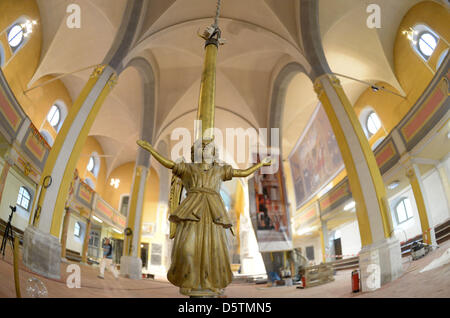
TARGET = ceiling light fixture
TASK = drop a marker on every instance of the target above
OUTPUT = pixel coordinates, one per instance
(115, 183)
(117, 231)
(411, 35)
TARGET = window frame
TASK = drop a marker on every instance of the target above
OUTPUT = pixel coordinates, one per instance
(97, 163)
(121, 203)
(21, 196)
(2, 55)
(79, 229)
(419, 37)
(420, 29)
(399, 202)
(91, 159)
(19, 21)
(8, 32)
(368, 117)
(58, 111)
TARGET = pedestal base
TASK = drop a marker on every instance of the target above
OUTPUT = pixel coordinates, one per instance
(42, 253)
(200, 293)
(131, 267)
(380, 263)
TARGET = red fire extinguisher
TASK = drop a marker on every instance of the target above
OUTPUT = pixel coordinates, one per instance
(303, 281)
(355, 281)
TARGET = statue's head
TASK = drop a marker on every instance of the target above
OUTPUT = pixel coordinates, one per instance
(203, 151)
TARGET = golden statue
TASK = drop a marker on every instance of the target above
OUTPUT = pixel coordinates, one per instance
(200, 261)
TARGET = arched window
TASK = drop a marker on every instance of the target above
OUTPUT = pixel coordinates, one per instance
(403, 211)
(24, 198)
(373, 123)
(19, 32)
(423, 40)
(77, 229)
(93, 165)
(54, 116)
(57, 114)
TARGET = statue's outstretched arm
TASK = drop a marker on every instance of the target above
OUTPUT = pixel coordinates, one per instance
(245, 173)
(162, 160)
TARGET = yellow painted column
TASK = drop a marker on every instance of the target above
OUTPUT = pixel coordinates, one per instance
(4, 175)
(64, 232)
(66, 150)
(445, 181)
(134, 215)
(324, 240)
(413, 175)
(364, 176)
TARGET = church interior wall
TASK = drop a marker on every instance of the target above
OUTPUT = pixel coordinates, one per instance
(14, 181)
(21, 68)
(125, 174)
(437, 206)
(435, 195)
(93, 146)
(75, 243)
(350, 238)
(410, 69)
(307, 241)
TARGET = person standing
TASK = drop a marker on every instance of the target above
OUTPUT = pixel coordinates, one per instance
(107, 260)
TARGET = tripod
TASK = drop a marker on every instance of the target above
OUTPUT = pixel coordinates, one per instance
(8, 232)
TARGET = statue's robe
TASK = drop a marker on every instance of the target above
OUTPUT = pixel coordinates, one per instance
(200, 258)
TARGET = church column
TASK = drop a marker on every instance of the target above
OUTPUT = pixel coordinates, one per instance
(413, 174)
(87, 234)
(324, 240)
(4, 174)
(130, 262)
(65, 227)
(42, 249)
(379, 247)
(443, 176)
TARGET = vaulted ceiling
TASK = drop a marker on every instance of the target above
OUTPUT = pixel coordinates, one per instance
(262, 36)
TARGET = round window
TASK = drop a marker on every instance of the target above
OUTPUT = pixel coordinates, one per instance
(427, 44)
(373, 123)
(15, 36)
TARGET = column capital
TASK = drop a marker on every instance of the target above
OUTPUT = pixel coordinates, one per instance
(318, 86)
(140, 169)
(98, 70)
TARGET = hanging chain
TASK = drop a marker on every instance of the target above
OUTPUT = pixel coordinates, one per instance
(216, 19)
(212, 34)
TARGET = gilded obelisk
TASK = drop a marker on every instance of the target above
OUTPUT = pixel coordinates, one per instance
(200, 261)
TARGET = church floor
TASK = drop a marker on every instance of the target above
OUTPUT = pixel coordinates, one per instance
(434, 283)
